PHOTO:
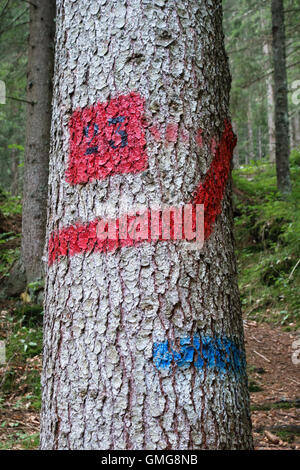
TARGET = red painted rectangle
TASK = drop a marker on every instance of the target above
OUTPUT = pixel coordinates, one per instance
(107, 139)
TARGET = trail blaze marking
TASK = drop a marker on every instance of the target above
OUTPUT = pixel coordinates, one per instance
(219, 353)
(107, 139)
(82, 238)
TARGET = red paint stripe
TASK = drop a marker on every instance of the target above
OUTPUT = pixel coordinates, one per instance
(82, 238)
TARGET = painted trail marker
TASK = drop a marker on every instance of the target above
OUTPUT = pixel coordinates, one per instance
(204, 352)
(107, 139)
(82, 238)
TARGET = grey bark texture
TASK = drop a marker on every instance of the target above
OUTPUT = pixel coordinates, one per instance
(267, 50)
(295, 129)
(281, 98)
(236, 155)
(270, 105)
(14, 188)
(250, 154)
(39, 93)
(104, 312)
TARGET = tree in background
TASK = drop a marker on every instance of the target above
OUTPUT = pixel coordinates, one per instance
(143, 341)
(248, 31)
(39, 95)
(267, 49)
(13, 62)
(281, 99)
(34, 170)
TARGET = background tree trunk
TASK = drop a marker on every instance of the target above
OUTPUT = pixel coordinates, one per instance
(259, 144)
(111, 378)
(15, 172)
(270, 108)
(236, 154)
(296, 128)
(250, 154)
(267, 50)
(39, 92)
(281, 98)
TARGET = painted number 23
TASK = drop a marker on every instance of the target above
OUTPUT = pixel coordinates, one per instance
(112, 143)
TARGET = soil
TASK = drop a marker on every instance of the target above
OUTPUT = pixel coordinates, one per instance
(276, 378)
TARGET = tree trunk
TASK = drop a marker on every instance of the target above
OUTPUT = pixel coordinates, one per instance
(267, 50)
(281, 99)
(14, 188)
(236, 155)
(39, 93)
(143, 341)
(296, 128)
(259, 144)
(270, 107)
(250, 136)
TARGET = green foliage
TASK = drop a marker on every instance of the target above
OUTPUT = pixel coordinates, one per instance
(7, 258)
(287, 435)
(21, 439)
(30, 315)
(267, 231)
(295, 158)
(23, 344)
(254, 387)
(280, 405)
(11, 205)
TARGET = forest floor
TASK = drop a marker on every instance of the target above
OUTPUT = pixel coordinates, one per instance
(274, 384)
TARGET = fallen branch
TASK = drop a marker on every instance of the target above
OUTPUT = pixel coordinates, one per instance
(264, 357)
(294, 269)
(20, 99)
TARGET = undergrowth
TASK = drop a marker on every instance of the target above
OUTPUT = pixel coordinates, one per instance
(267, 232)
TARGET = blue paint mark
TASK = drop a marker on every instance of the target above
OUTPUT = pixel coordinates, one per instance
(219, 353)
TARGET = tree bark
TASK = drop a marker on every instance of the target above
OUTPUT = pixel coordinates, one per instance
(14, 188)
(136, 338)
(295, 128)
(270, 106)
(259, 144)
(36, 161)
(281, 98)
(267, 50)
(250, 154)
(236, 154)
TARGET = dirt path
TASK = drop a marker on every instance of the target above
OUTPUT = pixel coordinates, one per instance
(274, 385)
(274, 382)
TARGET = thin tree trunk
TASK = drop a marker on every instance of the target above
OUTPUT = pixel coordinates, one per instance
(291, 131)
(15, 172)
(236, 155)
(250, 135)
(259, 144)
(281, 98)
(270, 107)
(267, 50)
(39, 92)
(143, 344)
(296, 128)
